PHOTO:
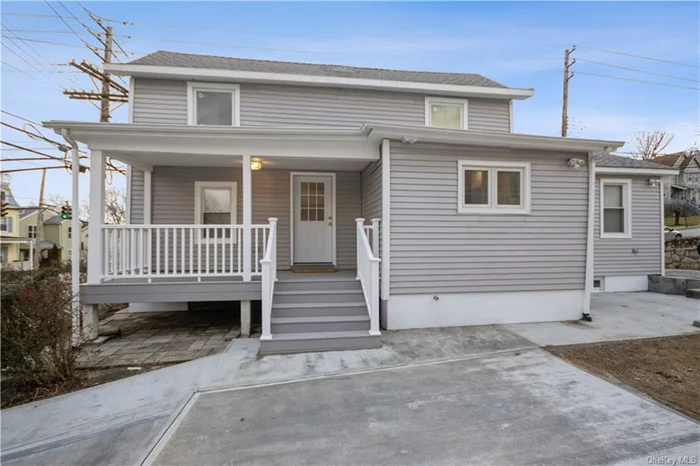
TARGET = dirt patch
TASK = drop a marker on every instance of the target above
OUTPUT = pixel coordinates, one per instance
(14, 394)
(666, 369)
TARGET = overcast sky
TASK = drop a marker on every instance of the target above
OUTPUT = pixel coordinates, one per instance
(518, 44)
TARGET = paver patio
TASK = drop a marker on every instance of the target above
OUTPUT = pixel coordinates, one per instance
(156, 338)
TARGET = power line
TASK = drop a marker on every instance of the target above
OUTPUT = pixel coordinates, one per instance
(29, 75)
(86, 43)
(37, 15)
(19, 117)
(639, 56)
(637, 70)
(638, 80)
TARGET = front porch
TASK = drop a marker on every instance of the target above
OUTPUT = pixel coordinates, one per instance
(212, 223)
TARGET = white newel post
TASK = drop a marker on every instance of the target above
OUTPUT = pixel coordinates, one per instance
(375, 237)
(95, 251)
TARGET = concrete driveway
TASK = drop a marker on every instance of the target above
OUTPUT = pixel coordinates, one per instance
(439, 396)
(524, 407)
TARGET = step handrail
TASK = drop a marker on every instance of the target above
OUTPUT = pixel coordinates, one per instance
(368, 275)
(269, 277)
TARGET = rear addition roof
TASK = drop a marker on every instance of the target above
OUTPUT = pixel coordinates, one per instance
(617, 161)
(187, 60)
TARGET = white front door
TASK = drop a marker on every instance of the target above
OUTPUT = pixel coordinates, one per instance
(313, 218)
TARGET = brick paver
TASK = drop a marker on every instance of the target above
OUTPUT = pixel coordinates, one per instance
(161, 338)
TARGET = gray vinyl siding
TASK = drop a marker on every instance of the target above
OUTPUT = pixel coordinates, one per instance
(173, 203)
(616, 257)
(137, 196)
(165, 102)
(372, 191)
(434, 249)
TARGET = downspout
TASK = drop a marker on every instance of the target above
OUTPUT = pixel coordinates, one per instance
(75, 237)
(588, 285)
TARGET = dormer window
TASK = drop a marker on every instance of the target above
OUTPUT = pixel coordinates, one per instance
(213, 104)
(445, 113)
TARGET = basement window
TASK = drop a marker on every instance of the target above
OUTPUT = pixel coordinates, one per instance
(213, 104)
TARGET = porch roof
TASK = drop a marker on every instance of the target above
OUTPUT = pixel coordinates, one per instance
(305, 142)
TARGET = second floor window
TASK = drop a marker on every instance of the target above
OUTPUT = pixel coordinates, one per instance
(6, 224)
(445, 113)
(31, 231)
(213, 104)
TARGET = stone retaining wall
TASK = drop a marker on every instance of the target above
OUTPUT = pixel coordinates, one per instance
(683, 254)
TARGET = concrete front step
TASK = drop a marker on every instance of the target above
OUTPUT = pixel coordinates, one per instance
(318, 296)
(318, 309)
(318, 284)
(281, 325)
(693, 293)
(319, 341)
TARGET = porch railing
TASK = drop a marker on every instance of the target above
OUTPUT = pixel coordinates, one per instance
(269, 277)
(195, 251)
(368, 274)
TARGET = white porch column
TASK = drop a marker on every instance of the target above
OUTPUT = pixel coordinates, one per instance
(247, 217)
(588, 277)
(95, 253)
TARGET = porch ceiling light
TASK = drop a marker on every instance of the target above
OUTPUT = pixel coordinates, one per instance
(256, 165)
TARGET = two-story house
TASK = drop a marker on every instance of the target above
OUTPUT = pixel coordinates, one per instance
(351, 199)
(686, 185)
(57, 232)
(12, 241)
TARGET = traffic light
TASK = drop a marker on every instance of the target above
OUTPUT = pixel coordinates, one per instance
(66, 211)
(5, 204)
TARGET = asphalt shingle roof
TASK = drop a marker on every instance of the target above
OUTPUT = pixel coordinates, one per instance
(617, 161)
(187, 60)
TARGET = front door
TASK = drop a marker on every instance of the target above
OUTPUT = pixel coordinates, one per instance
(313, 218)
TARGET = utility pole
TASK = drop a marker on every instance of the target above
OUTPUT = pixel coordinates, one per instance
(104, 107)
(102, 79)
(565, 99)
(39, 221)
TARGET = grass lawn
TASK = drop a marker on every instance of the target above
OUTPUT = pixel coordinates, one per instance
(665, 369)
(692, 221)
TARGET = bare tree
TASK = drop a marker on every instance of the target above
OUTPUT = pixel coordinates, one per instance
(115, 206)
(648, 145)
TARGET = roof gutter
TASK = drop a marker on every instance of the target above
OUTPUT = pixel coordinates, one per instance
(635, 171)
(210, 75)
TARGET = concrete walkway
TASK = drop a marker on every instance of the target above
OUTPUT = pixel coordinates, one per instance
(121, 422)
(619, 316)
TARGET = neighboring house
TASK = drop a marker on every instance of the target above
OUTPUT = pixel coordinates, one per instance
(473, 224)
(11, 239)
(57, 233)
(686, 185)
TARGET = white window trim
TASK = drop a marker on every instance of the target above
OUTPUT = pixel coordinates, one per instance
(198, 186)
(193, 87)
(442, 100)
(492, 207)
(626, 184)
(31, 231)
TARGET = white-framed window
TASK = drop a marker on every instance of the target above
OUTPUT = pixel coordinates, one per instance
(446, 113)
(215, 203)
(213, 104)
(31, 231)
(6, 224)
(493, 187)
(70, 232)
(615, 208)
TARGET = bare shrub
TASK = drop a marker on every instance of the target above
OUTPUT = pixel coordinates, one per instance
(36, 323)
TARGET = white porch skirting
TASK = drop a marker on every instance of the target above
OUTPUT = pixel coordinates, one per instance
(458, 309)
(626, 283)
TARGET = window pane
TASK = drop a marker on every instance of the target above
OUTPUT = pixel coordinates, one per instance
(304, 215)
(304, 187)
(214, 108)
(217, 200)
(508, 184)
(312, 215)
(320, 214)
(476, 187)
(613, 195)
(446, 116)
(304, 200)
(614, 220)
(216, 218)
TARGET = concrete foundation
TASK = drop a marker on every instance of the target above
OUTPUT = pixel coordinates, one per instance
(90, 322)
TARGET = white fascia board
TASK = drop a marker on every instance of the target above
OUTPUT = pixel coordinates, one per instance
(170, 72)
(488, 138)
(634, 171)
